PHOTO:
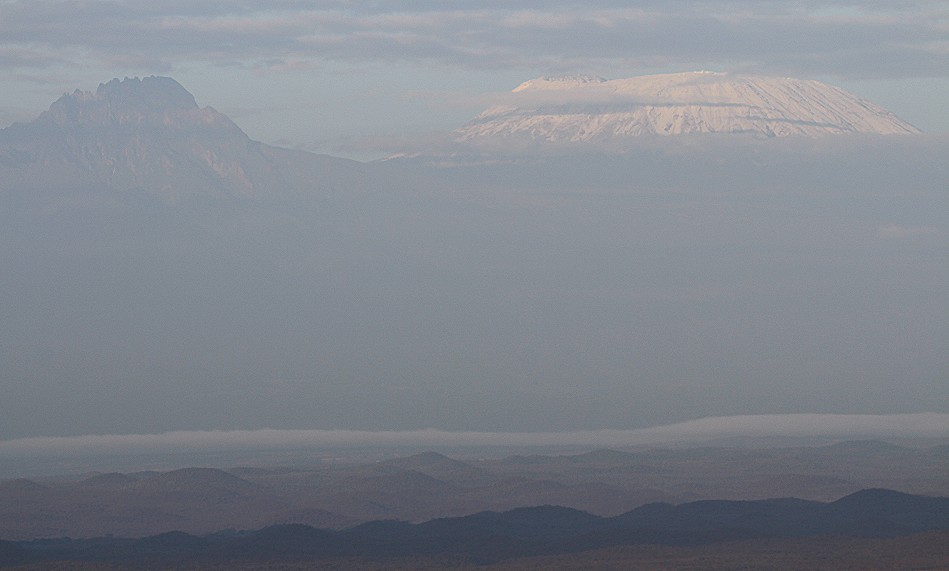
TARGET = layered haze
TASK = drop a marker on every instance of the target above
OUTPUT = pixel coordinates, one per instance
(474, 284)
(170, 273)
(696, 432)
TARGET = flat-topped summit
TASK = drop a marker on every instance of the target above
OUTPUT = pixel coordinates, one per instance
(577, 109)
(558, 82)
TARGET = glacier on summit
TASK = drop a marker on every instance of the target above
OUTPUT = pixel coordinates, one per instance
(590, 109)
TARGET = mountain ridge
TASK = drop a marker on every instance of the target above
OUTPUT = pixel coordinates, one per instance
(542, 530)
(589, 109)
(151, 100)
(150, 135)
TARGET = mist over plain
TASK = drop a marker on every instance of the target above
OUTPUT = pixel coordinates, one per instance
(492, 291)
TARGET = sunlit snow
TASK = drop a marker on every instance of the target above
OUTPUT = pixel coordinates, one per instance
(593, 109)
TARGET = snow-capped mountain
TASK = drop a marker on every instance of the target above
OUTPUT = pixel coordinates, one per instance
(579, 109)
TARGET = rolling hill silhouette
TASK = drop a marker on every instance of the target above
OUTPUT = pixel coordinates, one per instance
(544, 530)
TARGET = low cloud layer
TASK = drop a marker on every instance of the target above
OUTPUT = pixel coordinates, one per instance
(837, 38)
(920, 425)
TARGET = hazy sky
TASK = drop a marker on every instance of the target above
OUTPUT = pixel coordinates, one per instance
(355, 79)
(681, 280)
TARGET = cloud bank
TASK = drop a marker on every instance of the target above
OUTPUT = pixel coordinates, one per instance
(871, 39)
(919, 425)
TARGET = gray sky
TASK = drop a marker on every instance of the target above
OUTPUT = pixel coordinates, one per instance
(675, 282)
(354, 79)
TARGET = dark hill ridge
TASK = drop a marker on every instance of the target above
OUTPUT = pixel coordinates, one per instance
(198, 481)
(110, 480)
(606, 456)
(425, 486)
(491, 536)
(438, 466)
(21, 486)
(419, 460)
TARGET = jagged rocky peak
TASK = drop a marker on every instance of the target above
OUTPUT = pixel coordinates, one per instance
(153, 91)
(154, 101)
(136, 133)
(581, 109)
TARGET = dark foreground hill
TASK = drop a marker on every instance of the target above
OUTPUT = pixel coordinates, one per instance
(490, 537)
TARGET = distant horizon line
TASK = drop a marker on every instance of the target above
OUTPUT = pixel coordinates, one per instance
(797, 425)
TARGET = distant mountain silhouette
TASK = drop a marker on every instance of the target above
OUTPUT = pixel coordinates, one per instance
(150, 135)
(544, 530)
(20, 486)
(606, 456)
(439, 466)
(591, 110)
(203, 482)
(106, 481)
(431, 485)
